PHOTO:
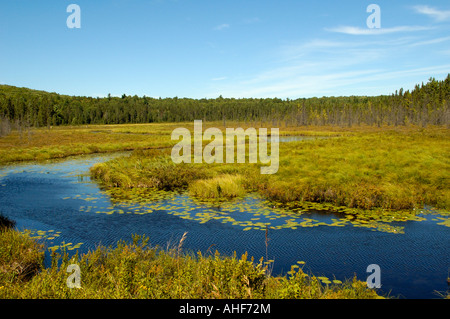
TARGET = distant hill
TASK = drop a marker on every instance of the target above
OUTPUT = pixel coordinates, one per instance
(427, 104)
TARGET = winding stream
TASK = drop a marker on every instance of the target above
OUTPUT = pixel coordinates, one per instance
(59, 203)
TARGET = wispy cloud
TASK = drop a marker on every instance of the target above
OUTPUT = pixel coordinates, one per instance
(221, 26)
(366, 31)
(358, 82)
(445, 52)
(438, 15)
(324, 67)
(430, 42)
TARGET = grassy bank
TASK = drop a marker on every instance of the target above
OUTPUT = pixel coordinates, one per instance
(35, 144)
(136, 270)
(389, 168)
(21, 257)
(62, 141)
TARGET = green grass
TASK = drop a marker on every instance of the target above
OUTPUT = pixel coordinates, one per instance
(150, 169)
(391, 169)
(21, 257)
(37, 144)
(136, 270)
(224, 186)
(59, 142)
(379, 171)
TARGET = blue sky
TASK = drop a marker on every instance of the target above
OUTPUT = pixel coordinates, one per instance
(199, 48)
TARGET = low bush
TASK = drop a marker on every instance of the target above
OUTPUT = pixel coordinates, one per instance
(136, 270)
(21, 257)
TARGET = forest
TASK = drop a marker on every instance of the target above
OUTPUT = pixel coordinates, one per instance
(426, 104)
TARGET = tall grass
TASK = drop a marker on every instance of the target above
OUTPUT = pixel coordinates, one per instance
(136, 270)
(20, 256)
(225, 186)
(63, 141)
(393, 169)
(390, 170)
(152, 172)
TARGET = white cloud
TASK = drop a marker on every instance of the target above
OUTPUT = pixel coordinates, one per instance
(429, 42)
(344, 83)
(445, 52)
(323, 67)
(438, 15)
(221, 26)
(366, 31)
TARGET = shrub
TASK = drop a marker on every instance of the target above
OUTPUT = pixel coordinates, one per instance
(20, 256)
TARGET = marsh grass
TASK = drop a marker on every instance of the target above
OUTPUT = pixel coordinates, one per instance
(21, 257)
(390, 169)
(63, 141)
(363, 168)
(146, 171)
(225, 186)
(366, 168)
(136, 270)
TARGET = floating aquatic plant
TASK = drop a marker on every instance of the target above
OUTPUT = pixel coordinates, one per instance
(445, 221)
(64, 245)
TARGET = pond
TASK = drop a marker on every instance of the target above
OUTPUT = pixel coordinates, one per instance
(59, 203)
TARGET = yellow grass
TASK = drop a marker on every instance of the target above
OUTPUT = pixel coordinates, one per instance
(223, 186)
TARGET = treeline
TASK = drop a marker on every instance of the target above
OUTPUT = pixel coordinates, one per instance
(426, 104)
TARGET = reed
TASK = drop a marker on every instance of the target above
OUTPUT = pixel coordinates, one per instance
(135, 270)
(151, 172)
(224, 186)
(390, 170)
(386, 168)
(63, 141)
(21, 257)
